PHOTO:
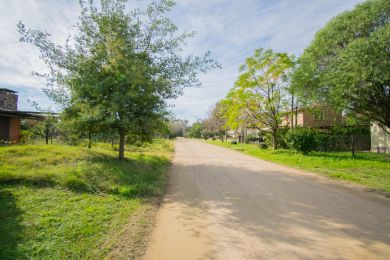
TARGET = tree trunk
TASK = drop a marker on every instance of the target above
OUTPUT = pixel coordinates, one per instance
(122, 137)
(112, 143)
(292, 111)
(353, 145)
(274, 139)
(47, 136)
(296, 115)
(89, 139)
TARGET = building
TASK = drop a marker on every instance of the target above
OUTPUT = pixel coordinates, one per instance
(380, 139)
(10, 117)
(319, 118)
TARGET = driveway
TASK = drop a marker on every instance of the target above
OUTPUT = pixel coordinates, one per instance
(222, 204)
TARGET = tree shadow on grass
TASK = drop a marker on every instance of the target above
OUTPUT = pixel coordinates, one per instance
(362, 156)
(101, 174)
(10, 226)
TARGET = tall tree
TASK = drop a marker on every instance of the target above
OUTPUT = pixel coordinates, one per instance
(126, 64)
(348, 63)
(258, 96)
(215, 122)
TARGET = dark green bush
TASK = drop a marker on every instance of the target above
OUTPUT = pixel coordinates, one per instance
(267, 138)
(252, 137)
(263, 145)
(302, 140)
(233, 142)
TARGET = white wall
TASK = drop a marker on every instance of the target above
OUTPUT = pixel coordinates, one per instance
(380, 140)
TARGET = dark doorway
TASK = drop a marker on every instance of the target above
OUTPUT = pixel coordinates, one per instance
(4, 128)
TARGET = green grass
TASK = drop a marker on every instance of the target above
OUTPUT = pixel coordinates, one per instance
(61, 202)
(369, 169)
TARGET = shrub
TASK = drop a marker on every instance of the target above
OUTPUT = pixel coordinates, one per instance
(252, 137)
(303, 140)
(25, 136)
(233, 142)
(263, 145)
(267, 138)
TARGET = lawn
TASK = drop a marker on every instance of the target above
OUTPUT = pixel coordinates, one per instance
(65, 202)
(369, 169)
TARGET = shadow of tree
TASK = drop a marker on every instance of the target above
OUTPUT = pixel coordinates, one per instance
(275, 213)
(10, 227)
(99, 173)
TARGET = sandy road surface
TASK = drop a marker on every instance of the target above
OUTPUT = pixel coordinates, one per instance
(222, 204)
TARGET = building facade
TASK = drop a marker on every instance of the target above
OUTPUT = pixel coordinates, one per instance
(10, 116)
(9, 124)
(319, 118)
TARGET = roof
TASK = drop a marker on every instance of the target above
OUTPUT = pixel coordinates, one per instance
(7, 90)
(23, 114)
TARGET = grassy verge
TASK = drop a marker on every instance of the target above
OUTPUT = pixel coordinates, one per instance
(369, 169)
(61, 202)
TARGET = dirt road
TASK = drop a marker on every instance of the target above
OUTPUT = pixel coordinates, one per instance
(222, 204)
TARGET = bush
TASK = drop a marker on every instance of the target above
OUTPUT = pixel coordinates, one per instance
(233, 142)
(252, 137)
(267, 138)
(303, 140)
(25, 136)
(263, 145)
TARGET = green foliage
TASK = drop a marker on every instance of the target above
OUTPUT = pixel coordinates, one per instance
(176, 127)
(263, 145)
(369, 169)
(25, 136)
(268, 140)
(257, 99)
(304, 140)
(252, 137)
(348, 63)
(214, 124)
(120, 69)
(64, 202)
(195, 131)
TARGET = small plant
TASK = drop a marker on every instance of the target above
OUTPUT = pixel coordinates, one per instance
(303, 140)
(233, 142)
(263, 145)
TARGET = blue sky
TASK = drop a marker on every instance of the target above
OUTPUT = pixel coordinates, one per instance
(231, 29)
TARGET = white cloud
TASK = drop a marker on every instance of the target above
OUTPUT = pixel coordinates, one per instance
(231, 29)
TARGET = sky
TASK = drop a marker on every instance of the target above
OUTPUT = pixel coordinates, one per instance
(230, 29)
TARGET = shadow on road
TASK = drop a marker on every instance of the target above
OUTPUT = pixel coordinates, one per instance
(267, 213)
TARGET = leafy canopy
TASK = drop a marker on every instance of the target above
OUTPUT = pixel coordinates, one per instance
(121, 66)
(348, 63)
(259, 95)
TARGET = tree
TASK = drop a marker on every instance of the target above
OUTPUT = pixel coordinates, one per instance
(84, 121)
(177, 127)
(215, 121)
(48, 126)
(348, 63)
(195, 131)
(258, 95)
(127, 65)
